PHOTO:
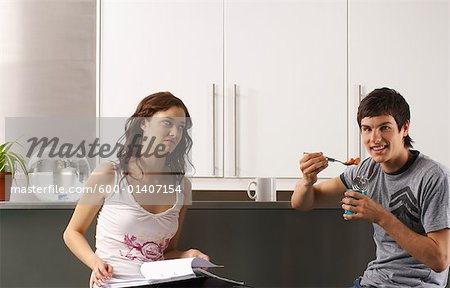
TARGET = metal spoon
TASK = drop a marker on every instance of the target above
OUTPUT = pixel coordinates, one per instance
(329, 159)
(336, 160)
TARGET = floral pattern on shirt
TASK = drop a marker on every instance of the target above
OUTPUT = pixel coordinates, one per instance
(146, 251)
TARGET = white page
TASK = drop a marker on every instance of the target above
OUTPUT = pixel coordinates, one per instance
(173, 268)
(119, 283)
(162, 271)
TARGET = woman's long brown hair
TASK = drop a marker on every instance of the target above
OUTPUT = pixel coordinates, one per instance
(176, 161)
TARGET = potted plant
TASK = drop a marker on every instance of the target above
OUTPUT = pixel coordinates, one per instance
(10, 164)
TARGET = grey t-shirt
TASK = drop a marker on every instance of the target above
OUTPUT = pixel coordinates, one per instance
(419, 196)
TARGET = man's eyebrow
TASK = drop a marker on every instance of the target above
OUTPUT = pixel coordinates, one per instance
(382, 124)
(385, 123)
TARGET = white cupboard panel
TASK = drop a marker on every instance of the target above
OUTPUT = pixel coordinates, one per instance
(404, 45)
(177, 46)
(289, 64)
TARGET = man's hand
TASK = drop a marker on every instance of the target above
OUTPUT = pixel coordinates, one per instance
(431, 249)
(363, 207)
(307, 194)
(312, 164)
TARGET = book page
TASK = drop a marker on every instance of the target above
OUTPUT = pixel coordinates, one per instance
(120, 283)
(163, 271)
(173, 268)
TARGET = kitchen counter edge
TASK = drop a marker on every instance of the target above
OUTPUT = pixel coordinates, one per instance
(195, 205)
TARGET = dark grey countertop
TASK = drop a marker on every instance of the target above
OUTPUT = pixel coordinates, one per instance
(195, 205)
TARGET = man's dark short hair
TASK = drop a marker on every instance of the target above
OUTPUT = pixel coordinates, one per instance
(386, 101)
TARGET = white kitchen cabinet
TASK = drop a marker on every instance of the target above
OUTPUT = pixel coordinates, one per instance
(404, 45)
(283, 64)
(285, 85)
(166, 45)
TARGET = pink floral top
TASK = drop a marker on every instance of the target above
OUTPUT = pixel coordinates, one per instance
(147, 251)
(128, 235)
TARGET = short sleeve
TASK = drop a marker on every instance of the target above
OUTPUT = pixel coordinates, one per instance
(435, 200)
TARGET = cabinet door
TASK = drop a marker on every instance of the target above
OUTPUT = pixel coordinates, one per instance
(404, 45)
(286, 66)
(149, 46)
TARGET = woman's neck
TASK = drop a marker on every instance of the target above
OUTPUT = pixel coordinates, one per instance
(151, 165)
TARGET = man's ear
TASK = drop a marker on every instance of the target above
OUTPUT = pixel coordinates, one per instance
(406, 129)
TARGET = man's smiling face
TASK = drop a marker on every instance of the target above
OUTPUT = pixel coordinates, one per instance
(383, 140)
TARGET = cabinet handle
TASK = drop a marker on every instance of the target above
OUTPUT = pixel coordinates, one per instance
(214, 127)
(359, 138)
(235, 127)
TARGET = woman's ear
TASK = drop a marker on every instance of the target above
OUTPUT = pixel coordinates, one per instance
(143, 124)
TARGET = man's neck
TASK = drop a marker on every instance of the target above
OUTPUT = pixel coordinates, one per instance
(395, 164)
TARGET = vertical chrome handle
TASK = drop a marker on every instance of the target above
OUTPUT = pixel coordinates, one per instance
(223, 134)
(359, 93)
(214, 128)
(235, 127)
(359, 138)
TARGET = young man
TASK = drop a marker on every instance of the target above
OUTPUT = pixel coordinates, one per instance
(408, 198)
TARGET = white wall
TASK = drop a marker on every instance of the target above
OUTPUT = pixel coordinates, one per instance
(47, 58)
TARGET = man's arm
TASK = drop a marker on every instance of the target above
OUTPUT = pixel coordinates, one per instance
(308, 195)
(433, 250)
(324, 194)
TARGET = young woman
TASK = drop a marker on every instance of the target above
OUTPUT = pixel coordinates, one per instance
(141, 219)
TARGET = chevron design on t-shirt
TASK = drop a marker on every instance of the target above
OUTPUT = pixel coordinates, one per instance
(404, 204)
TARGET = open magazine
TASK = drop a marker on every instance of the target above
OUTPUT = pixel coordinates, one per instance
(169, 270)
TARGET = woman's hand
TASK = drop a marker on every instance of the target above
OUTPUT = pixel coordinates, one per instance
(101, 272)
(194, 253)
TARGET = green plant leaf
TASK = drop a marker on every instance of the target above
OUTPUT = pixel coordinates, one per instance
(7, 146)
(2, 146)
(10, 165)
(10, 161)
(21, 161)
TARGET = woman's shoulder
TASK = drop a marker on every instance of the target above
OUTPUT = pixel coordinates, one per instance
(187, 191)
(103, 174)
(187, 185)
(106, 167)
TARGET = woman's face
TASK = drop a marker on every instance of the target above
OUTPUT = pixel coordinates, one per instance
(165, 128)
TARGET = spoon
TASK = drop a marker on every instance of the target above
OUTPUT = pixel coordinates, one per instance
(348, 163)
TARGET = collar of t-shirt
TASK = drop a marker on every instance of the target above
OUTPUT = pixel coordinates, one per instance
(414, 155)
